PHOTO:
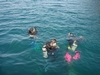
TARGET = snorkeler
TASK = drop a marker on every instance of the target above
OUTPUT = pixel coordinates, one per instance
(49, 48)
(32, 32)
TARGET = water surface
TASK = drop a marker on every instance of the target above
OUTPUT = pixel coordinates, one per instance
(54, 19)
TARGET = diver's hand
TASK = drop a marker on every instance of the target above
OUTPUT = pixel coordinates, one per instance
(57, 46)
(81, 37)
(35, 37)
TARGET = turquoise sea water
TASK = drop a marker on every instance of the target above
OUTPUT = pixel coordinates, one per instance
(54, 19)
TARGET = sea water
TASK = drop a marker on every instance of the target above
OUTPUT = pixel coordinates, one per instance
(53, 19)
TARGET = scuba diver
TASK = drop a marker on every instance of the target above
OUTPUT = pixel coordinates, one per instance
(70, 39)
(32, 32)
(49, 48)
(72, 52)
(73, 41)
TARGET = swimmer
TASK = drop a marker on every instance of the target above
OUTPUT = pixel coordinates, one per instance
(53, 44)
(70, 39)
(73, 41)
(72, 53)
(32, 32)
(49, 48)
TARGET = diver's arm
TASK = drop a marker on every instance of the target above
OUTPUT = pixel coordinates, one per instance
(57, 46)
(80, 39)
(44, 48)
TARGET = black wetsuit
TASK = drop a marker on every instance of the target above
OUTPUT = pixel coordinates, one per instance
(49, 48)
(70, 42)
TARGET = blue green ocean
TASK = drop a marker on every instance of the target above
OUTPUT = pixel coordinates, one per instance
(19, 55)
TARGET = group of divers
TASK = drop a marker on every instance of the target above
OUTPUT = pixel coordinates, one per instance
(50, 47)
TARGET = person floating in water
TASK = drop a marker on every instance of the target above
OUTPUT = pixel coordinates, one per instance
(32, 32)
(73, 41)
(49, 48)
(72, 52)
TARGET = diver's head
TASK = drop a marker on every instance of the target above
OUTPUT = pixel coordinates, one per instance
(31, 29)
(53, 40)
(70, 34)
